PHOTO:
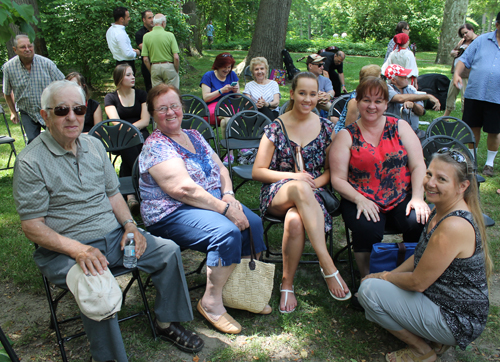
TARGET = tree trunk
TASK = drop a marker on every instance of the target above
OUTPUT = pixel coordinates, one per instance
(194, 47)
(40, 46)
(454, 16)
(270, 32)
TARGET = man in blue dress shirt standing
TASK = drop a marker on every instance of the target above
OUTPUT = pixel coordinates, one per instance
(482, 95)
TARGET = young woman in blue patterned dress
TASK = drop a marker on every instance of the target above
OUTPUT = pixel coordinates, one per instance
(294, 196)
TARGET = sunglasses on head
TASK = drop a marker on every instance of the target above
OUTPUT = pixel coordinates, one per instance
(455, 155)
(64, 110)
(226, 55)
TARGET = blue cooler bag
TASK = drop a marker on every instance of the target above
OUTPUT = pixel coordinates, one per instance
(388, 256)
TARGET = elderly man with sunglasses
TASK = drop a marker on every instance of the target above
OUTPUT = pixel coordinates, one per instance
(67, 196)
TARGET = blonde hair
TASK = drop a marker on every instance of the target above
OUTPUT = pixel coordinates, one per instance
(370, 70)
(464, 172)
(259, 60)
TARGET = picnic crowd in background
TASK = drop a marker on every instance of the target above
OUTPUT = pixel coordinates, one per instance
(436, 299)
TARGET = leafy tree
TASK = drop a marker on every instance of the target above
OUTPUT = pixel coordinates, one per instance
(366, 20)
(75, 31)
(232, 19)
(22, 15)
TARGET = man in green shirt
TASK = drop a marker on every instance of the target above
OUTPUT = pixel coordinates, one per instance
(160, 53)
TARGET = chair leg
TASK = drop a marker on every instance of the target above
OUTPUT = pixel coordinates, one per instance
(350, 258)
(60, 340)
(8, 348)
(147, 311)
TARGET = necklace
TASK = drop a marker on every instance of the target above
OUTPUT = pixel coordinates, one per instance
(184, 142)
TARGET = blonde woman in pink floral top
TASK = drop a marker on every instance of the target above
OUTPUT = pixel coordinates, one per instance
(187, 197)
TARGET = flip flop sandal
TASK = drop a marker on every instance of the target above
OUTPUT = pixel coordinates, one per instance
(286, 299)
(406, 354)
(335, 275)
(440, 349)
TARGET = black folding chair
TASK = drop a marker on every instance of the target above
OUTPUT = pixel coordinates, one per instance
(229, 105)
(338, 105)
(247, 74)
(8, 348)
(7, 140)
(244, 131)
(56, 323)
(191, 121)
(193, 105)
(459, 130)
(117, 135)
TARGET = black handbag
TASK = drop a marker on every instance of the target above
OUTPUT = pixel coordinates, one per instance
(330, 201)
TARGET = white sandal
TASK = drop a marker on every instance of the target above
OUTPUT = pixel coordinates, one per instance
(286, 299)
(334, 275)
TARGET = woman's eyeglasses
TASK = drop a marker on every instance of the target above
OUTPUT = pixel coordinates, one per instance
(64, 111)
(163, 110)
(455, 155)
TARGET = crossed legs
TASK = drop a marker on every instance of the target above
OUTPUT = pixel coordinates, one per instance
(297, 202)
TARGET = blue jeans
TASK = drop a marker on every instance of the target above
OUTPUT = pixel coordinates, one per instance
(212, 233)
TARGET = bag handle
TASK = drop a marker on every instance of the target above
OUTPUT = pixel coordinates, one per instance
(253, 255)
(401, 253)
(288, 143)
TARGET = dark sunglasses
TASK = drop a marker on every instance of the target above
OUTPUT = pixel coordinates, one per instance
(226, 55)
(455, 155)
(64, 111)
(319, 64)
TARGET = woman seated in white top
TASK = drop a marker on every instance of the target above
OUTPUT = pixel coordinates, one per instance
(264, 92)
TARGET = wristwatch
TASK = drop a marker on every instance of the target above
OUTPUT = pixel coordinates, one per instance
(228, 193)
(129, 221)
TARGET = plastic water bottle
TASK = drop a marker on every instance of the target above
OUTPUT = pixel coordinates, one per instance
(129, 258)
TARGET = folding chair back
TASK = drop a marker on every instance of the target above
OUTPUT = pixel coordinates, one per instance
(233, 103)
(117, 135)
(244, 131)
(191, 121)
(4, 140)
(247, 74)
(338, 105)
(194, 105)
(434, 143)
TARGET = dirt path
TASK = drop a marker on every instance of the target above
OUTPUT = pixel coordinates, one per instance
(24, 317)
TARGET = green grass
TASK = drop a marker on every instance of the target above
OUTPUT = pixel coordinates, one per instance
(319, 330)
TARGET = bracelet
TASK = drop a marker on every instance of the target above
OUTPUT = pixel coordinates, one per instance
(228, 193)
(220, 91)
(225, 210)
(129, 221)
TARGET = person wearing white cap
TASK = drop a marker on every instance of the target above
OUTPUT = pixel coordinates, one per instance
(67, 196)
(404, 99)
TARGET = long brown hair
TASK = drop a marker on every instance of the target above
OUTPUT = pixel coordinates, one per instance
(295, 82)
(464, 172)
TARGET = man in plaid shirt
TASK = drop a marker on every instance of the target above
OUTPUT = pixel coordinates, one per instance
(24, 78)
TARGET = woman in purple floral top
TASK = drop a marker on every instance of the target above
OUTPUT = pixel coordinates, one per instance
(187, 196)
(294, 196)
